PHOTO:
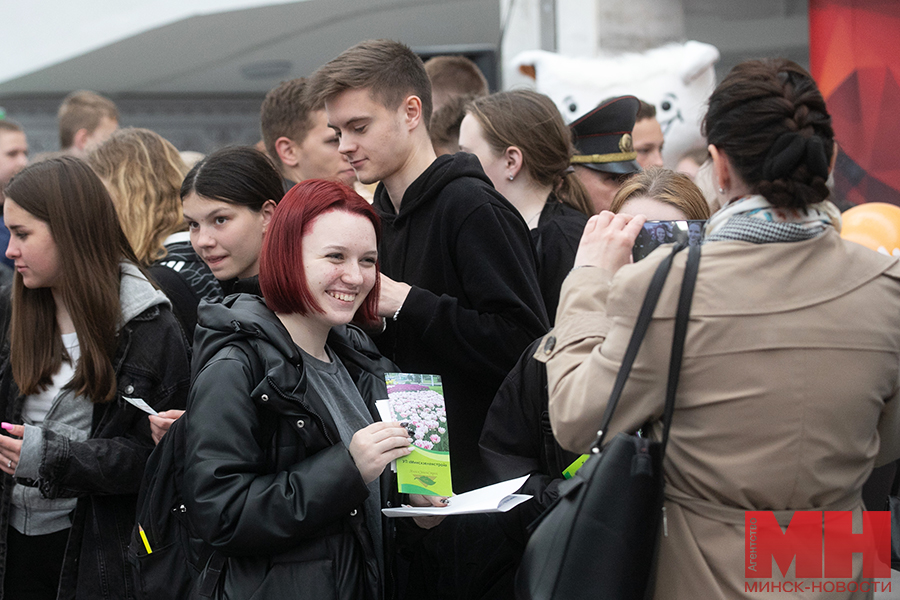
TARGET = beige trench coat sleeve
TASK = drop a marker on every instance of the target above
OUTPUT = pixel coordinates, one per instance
(580, 375)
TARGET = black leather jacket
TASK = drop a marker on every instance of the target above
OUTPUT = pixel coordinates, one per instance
(151, 362)
(268, 482)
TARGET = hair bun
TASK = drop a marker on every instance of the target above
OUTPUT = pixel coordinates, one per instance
(791, 150)
(816, 157)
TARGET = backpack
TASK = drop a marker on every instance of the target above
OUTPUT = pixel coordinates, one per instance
(181, 564)
(172, 567)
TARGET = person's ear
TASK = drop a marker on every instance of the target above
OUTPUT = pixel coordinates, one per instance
(515, 161)
(80, 139)
(412, 109)
(287, 151)
(721, 169)
(267, 210)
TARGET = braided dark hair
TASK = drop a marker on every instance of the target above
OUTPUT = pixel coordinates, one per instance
(769, 118)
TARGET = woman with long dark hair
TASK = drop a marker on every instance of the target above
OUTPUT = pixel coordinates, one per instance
(90, 341)
(788, 392)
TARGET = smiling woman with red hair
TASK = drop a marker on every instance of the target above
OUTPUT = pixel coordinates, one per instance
(284, 451)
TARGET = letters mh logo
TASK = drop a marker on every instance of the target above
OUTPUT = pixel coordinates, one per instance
(820, 551)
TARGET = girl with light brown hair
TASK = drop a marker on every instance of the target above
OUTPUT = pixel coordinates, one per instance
(525, 148)
(661, 195)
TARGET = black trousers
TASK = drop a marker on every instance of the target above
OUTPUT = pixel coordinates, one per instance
(33, 564)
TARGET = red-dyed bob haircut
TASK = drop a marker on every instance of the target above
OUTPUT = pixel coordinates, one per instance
(281, 278)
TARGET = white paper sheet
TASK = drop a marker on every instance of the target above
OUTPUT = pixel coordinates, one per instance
(139, 403)
(493, 498)
(384, 411)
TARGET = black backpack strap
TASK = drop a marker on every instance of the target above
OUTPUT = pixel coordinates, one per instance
(209, 580)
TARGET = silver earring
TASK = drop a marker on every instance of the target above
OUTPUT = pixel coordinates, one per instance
(511, 177)
(721, 190)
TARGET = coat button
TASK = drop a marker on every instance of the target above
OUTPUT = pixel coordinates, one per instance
(353, 513)
(129, 389)
(549, 345)
(264, 397)
(301, 423)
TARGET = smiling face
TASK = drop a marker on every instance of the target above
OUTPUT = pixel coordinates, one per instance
(228, 237)
(318, 153)
(661, 234)
(340, 251)
(31, 247)
(372, 136)
(472, 140)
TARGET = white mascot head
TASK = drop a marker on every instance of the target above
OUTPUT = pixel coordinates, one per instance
(678, 79)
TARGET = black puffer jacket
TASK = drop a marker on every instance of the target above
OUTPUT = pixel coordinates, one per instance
(268, 482)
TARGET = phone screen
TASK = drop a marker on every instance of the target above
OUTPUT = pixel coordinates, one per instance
(657, 233)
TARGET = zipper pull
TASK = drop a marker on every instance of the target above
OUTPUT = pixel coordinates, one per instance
(665, 523)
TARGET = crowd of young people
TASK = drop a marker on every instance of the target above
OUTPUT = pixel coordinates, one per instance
(263, 322)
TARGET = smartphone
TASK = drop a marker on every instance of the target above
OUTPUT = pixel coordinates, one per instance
(657, 233)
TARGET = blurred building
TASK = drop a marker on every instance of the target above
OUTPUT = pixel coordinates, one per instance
(196, 70)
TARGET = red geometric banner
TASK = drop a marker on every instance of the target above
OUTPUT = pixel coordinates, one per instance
(854, 55)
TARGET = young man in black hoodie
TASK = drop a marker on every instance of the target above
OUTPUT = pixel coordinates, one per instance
(459, 286)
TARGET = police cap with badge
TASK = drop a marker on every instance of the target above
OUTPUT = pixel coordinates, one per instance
(602, 137)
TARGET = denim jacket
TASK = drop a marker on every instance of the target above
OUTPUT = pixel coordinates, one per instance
(104, 471)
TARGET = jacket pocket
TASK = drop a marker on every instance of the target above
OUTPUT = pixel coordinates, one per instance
(162, 574)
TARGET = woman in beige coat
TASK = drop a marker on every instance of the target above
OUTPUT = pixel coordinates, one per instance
(789, 388)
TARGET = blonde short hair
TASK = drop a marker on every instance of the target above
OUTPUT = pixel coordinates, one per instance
(664, 185)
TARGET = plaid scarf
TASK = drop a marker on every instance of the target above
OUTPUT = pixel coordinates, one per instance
(754, 219)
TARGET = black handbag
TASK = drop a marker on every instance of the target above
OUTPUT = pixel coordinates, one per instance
(599, 539)
(893, 505)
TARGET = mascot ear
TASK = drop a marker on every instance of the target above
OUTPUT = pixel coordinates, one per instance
(528, 71)
(530, 61)
(697, 58)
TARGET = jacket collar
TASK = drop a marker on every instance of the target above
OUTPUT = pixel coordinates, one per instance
(819, 270)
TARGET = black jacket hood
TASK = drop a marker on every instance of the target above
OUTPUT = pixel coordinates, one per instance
(245, 320)
(240, 318)
(430, 184)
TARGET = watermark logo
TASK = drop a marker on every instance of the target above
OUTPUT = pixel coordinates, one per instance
(819, 544)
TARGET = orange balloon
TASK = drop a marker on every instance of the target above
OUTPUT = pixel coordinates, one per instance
(875, 225)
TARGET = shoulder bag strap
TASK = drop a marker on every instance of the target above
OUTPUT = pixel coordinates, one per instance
(637, 336)
(681, 322)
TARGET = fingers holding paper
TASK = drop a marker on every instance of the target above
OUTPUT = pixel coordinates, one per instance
(435, 501)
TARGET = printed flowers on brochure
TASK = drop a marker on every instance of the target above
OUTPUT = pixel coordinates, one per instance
(424, 408)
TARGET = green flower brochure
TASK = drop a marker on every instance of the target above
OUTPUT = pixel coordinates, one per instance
(418, 401)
